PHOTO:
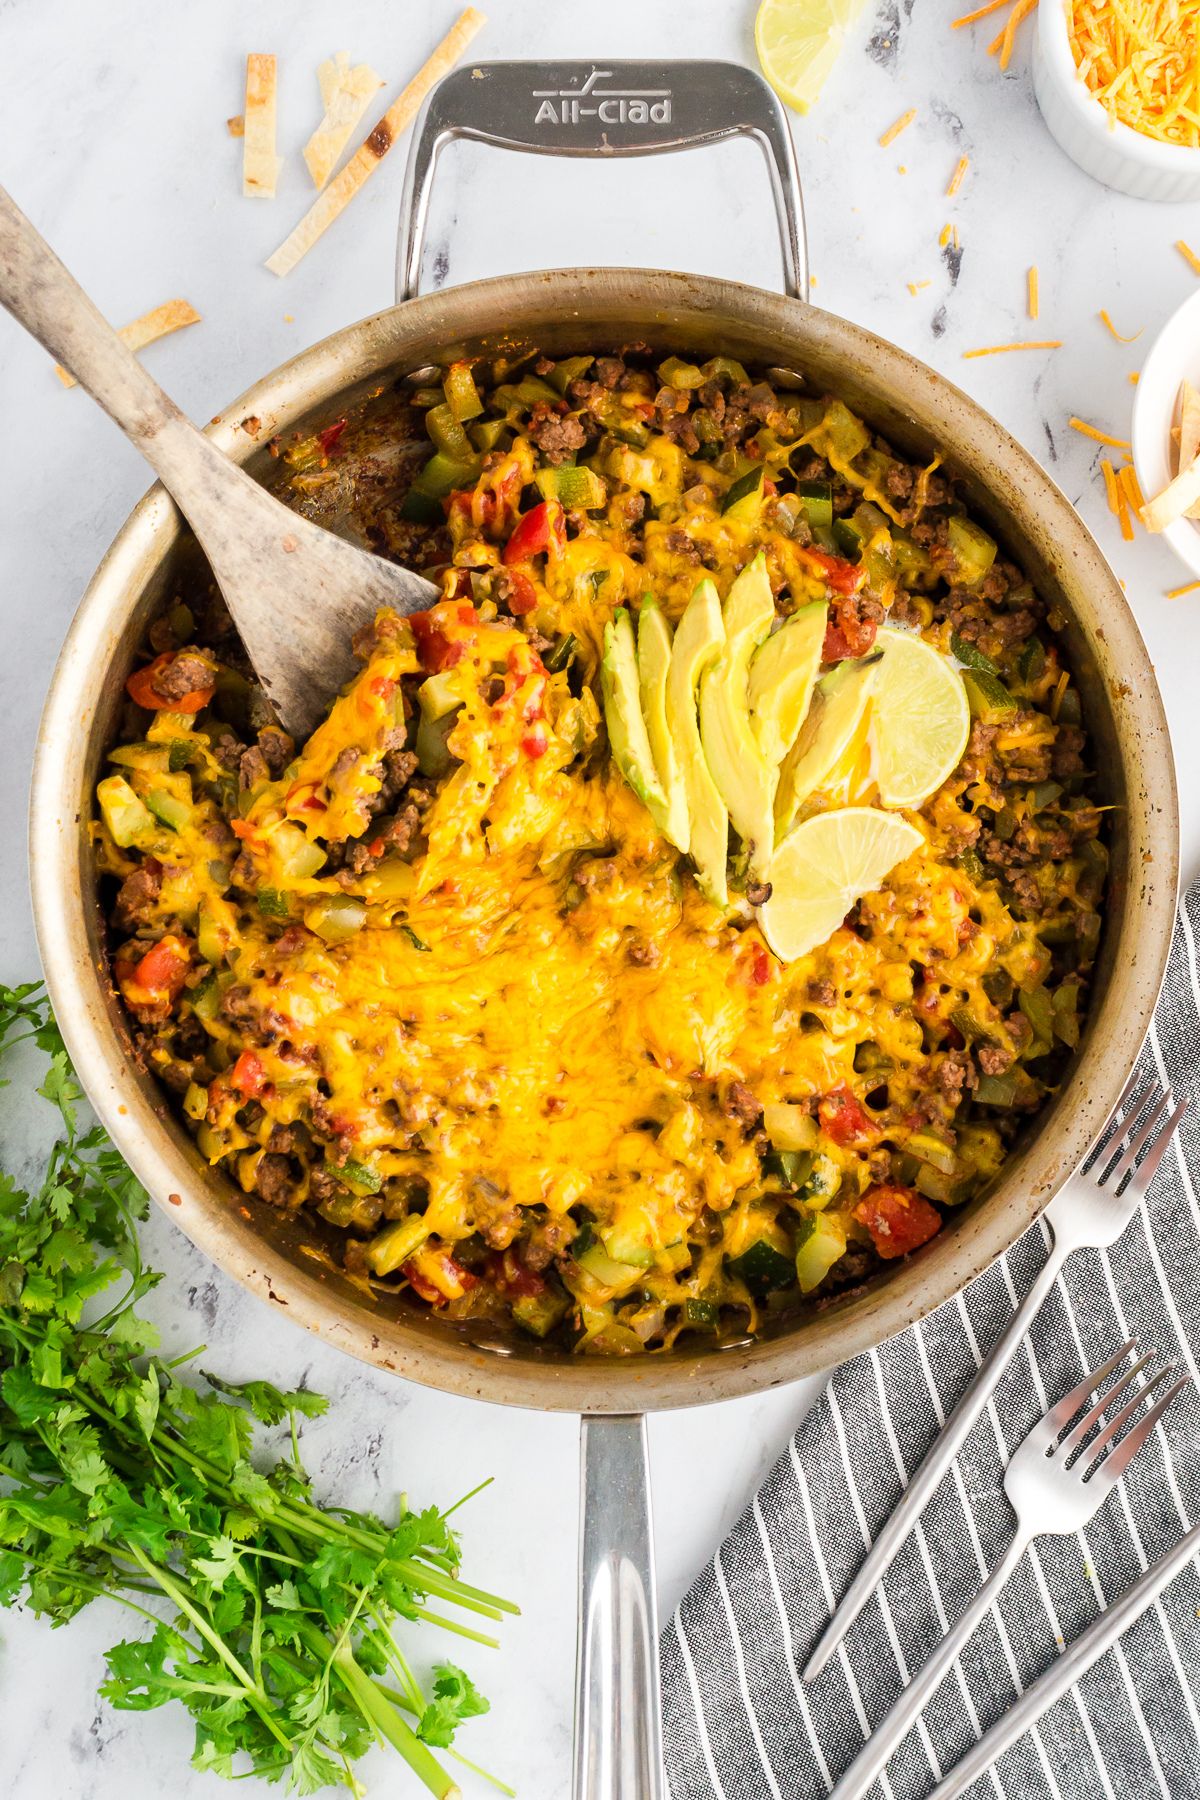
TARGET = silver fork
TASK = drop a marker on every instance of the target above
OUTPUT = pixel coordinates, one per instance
(1055, 1484)
(1093, 1209)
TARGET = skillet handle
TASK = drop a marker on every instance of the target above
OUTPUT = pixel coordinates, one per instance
(618, 1717)
(622, 108)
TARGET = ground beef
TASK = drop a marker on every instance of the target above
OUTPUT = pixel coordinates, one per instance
(822, 993)
(183, 675)
(609, 370)
(556, 435)
(992, 1059)
(898, 480)
(546, 1240)
(953, 1074)
(228, 751)
(369, 637)
(252, 767)
(679, 427)
(740, 1103)
(1066, 757)
(273, 1179)
(758, 893)
(343, 763)
(1003, 855)
(403, 828)
(979, 754)
(137, 895)
(680, 544)
(398, 768)
(643, 955)
(237, 1006)
(277, 749)
(287, 1140)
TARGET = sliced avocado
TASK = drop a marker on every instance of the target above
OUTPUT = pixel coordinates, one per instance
(623, 715)
(782, 677)
(744, 777)
(654, 662)
(839, 701)
(699, 637)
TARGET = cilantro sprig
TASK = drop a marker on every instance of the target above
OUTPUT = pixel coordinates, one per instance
(272, 1616)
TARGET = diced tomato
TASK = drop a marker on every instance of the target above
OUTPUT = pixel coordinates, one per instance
(509, 1275)
(842, 1117)
(522, 596)
(442, 635)
(542, 529)
(535, 743)
(329, 437)
(898, 1219)
(383, 685)
(458, 584)
(840, 576)
(152, 985)
(248, 1075)
(848, 633)
(140, 688)
(760, 966)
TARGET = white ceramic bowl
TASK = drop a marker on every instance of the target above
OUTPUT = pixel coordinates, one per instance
(1111, 152)
(1174, 357)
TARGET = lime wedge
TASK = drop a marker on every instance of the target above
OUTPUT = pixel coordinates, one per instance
(920, 719)
(798, 42)
(823, 867)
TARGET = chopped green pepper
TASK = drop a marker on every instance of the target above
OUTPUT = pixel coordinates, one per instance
(762, 1267)
(574, 486)
(462, 396)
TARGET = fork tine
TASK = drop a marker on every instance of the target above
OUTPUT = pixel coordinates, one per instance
(1115, 1425)
(1137, 1143)
(1089, 1419)
(1144, 1175)
(1060, 1416)
(1111, 1468)
(1122, 1113)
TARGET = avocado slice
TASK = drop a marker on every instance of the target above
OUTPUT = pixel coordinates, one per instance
(623, 715)
(782, 677)
(838, 704)
(699, 637)
(744, 777)
(654, 662)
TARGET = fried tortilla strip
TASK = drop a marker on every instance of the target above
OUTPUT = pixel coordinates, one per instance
(260, 165)
(1174, 501)
(171, 316)
(346, 93)
(366, 159)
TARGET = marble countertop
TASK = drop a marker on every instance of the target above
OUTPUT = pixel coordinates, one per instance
(114, 142)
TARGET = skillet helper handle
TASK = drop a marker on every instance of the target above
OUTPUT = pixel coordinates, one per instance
(618, 108)
(618, 1716)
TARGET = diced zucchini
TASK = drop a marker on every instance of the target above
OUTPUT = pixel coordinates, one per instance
(359, 1176)
(743, 499)
(816, 501)
(988, 697)
(604, 1269)
(126, 818)
(822, 1246)
(790, 1127)
(395, 1243)
(700, 1312)
(680, 375)
(173, 812)
(629, 1244)
(848, 539)
(195, 1101)
(933, 1150)
(792, 1166)
(823, 1182)
(973, 550)
(763, 1267)
(970, 656)
(337, 918)
(273, 903)
(574, 486)
(727, 366)
(846, 435)
(540, 1313)
(996, 1090)
(152, 759)
(298, 856)
(568, 370)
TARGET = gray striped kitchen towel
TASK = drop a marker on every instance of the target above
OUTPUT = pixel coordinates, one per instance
(739, 1722)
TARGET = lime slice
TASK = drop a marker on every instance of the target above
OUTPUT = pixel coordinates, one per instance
(798, 42)
(920, 720)
(823, 867)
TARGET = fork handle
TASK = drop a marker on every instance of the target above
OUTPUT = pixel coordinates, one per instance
(938, 1459)
(873, 1757)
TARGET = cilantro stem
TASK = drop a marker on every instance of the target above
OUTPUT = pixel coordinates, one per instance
(476, 1637)
(384, 1718)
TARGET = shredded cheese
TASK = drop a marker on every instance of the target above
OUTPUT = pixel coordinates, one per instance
(1032, 283)
(944, 238)
(980, 13)
(1005, 41)
(902, 124)
(1121, 339)
(1189, 587)
(956, 180)
(999, 349)
(1139, 59)
(1189, 256)
(914, 287)
(171, 316)
(1127, 476)
(1110, 486)
(1101, 437)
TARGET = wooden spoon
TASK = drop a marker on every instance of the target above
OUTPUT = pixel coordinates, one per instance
(296, 592)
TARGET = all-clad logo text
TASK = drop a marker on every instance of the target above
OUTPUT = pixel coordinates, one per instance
(612, 106)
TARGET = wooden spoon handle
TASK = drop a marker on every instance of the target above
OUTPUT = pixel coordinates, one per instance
(45, 297)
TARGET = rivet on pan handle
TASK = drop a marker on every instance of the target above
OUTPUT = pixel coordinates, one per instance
(614, 108)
